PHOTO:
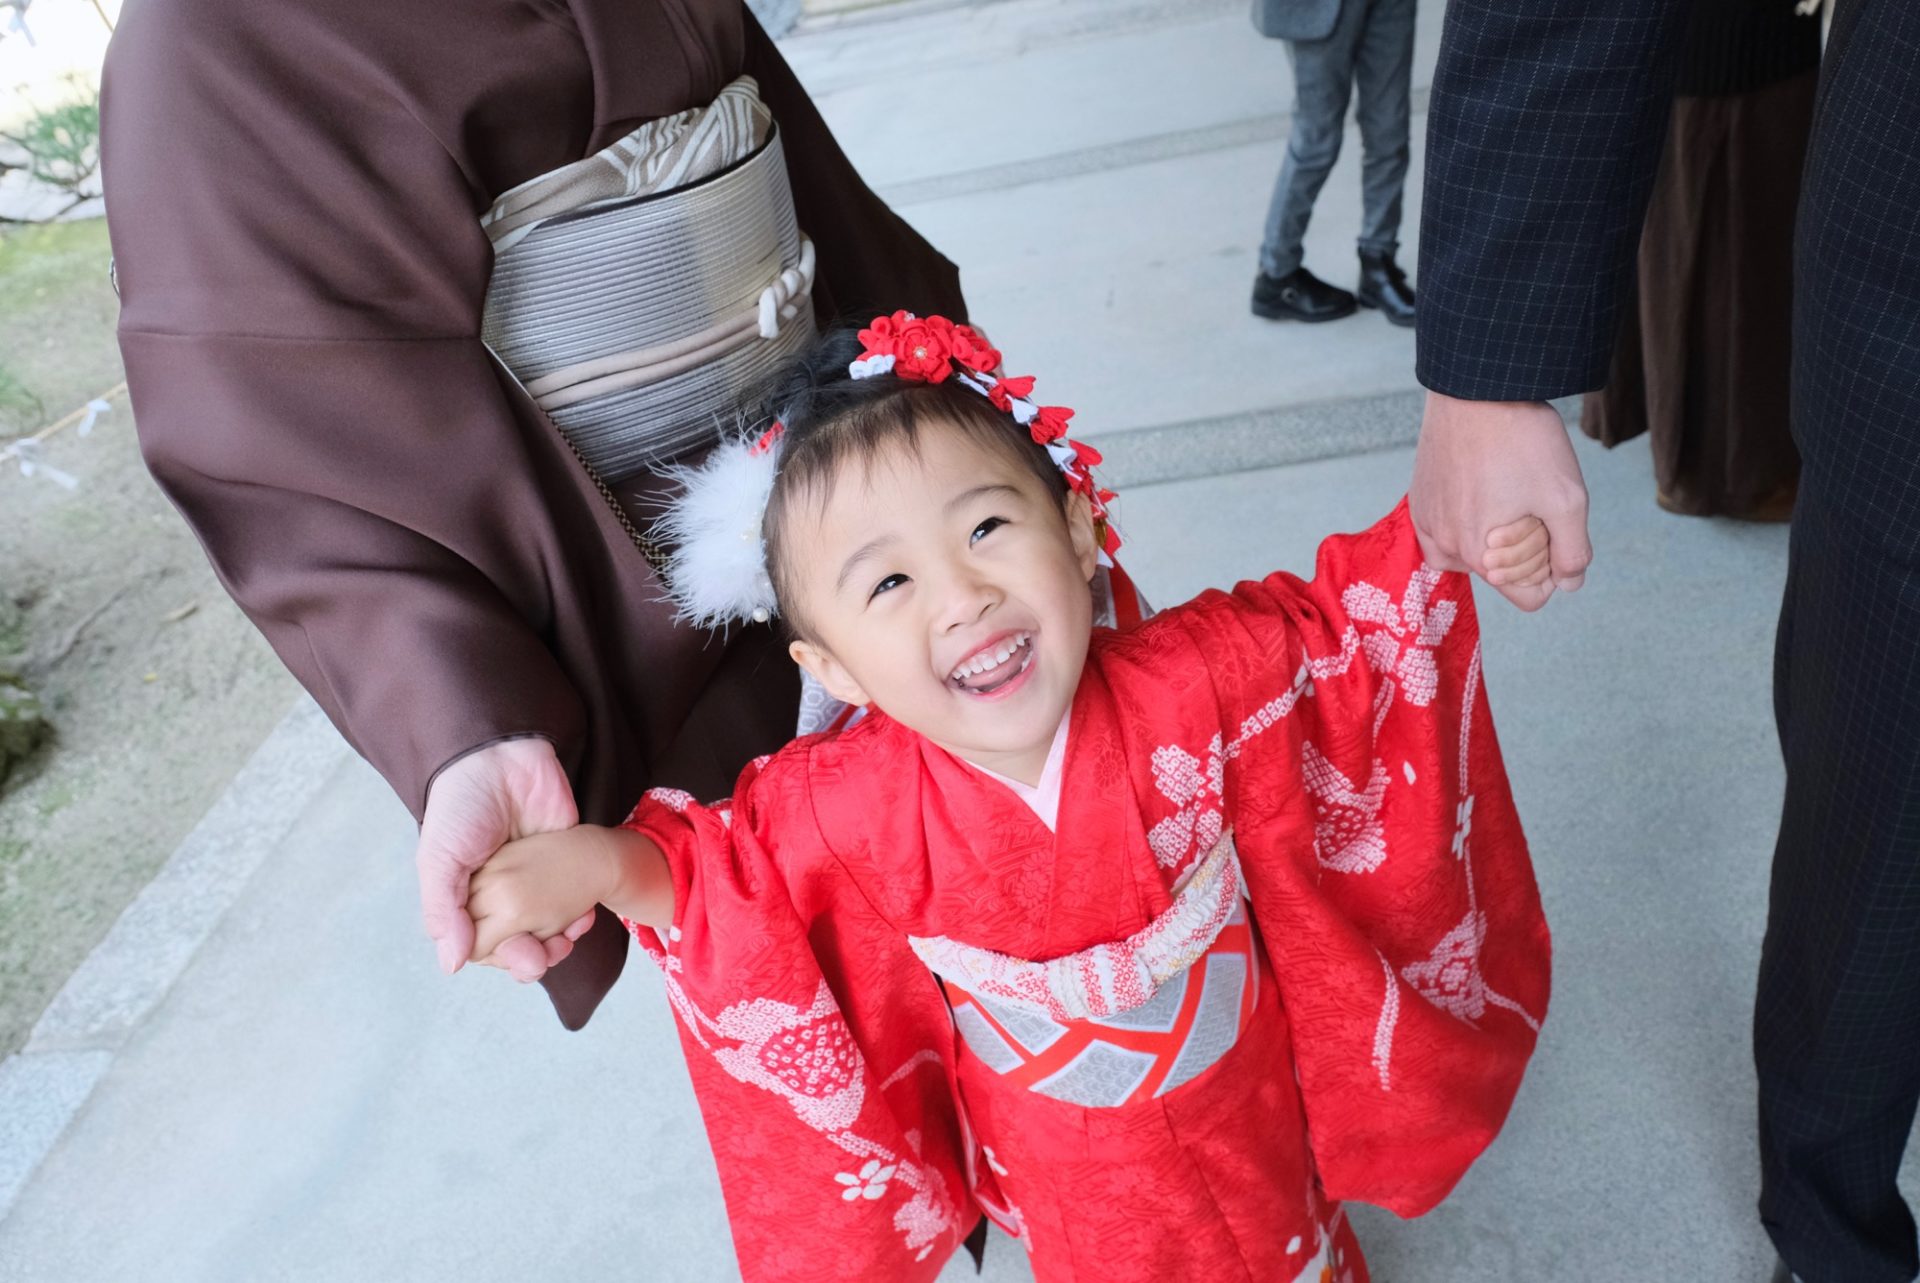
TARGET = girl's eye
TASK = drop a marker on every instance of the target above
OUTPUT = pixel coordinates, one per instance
(985, 528)
(885, 585)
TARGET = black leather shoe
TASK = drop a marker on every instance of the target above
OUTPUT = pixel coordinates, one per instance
(1299, 296)
(1384, 285)
(1782, 1274)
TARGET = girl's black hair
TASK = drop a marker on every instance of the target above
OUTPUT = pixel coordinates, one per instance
(832, 418)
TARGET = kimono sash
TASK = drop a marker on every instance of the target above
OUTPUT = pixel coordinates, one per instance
(638, 291)
(1120, 1022)
(1106, 980)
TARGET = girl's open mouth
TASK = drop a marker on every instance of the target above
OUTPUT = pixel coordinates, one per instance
(994, 668)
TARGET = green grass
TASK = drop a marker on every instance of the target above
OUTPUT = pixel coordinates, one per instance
(57, 314)
(37, 263)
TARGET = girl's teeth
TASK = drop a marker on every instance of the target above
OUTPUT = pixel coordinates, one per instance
(993, 659)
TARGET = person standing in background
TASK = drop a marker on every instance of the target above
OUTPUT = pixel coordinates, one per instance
(1334, 45)
(1702, 363)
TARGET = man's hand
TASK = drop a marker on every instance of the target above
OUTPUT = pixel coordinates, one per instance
(1483, 465)
(488, 798)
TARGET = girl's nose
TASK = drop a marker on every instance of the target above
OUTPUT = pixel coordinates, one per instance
(968, 600)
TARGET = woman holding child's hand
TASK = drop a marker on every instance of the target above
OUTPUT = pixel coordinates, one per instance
(303, 274)
(489, 797)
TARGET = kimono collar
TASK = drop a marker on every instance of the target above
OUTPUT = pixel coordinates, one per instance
(1043, 797)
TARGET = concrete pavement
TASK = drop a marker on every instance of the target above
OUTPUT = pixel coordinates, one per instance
(1101, 171)
(263, 1076)
(312, 1101)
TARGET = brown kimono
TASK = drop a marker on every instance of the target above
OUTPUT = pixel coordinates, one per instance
(294, 191)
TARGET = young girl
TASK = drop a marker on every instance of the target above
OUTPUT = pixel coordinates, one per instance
(1150, 945)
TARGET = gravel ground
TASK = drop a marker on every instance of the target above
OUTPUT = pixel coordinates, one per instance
(157, 686)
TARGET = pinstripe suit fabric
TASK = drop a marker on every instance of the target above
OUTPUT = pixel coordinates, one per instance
(1545, 123)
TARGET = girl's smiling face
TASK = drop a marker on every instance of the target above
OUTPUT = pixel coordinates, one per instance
(944, 584)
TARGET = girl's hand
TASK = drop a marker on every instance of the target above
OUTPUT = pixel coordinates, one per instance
(1519, 557)
(545, 886)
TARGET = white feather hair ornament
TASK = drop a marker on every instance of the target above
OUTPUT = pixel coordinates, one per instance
(717, 572)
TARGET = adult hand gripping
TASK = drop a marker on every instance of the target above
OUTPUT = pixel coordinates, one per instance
(1481, 465)
(493, 795)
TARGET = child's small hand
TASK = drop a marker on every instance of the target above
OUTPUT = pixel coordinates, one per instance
(545, 885)
(1518, 556)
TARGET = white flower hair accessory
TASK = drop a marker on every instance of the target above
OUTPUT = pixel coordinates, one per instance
(717, 571)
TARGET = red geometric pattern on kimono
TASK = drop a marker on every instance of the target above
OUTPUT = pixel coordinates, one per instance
(846, 1152)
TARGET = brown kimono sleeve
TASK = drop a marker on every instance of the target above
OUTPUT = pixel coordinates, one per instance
(293, 195)
(301, 284)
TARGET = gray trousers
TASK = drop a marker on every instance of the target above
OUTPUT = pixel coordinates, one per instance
(1371, 43)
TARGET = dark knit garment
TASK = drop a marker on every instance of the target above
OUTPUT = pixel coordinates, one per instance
(1738, 46)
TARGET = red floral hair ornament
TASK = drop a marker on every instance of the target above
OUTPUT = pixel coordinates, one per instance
(932, 349)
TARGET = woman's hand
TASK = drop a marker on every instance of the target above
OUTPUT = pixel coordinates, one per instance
(508, 790)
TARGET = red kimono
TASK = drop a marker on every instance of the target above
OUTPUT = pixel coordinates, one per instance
(1285, 949)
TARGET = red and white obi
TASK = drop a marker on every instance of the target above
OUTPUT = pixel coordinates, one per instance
(1121, 1022)
(1128, 1074)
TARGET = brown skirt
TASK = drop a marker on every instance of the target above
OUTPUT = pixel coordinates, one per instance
(1702, 361)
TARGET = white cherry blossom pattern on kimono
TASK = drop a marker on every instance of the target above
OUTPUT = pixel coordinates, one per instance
(1198, 788)
(1403, 644)
(870, 1183)
(1449, 977)
(1348, 836)
(810, 1057)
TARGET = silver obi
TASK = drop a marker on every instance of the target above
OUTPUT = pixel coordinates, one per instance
(638, 324)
